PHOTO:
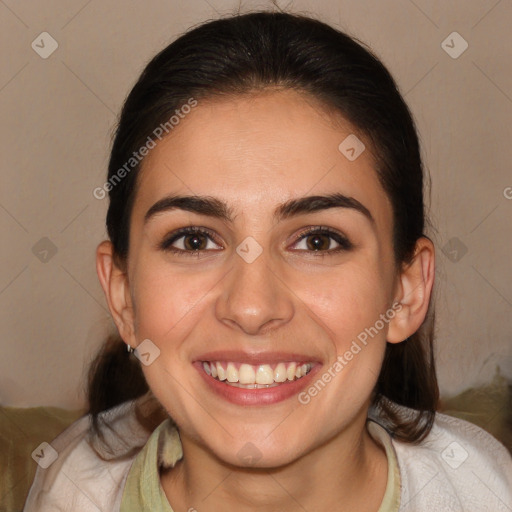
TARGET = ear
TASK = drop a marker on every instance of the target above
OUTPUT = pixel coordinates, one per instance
(414, 289)
(114, 282)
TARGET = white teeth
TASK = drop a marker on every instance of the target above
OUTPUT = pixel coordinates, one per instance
(246, 374)
(264, 374)
(280, 373)
(220, 372)
(232, 373)
(290, 372)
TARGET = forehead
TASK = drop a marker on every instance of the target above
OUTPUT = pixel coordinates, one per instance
(256, 151)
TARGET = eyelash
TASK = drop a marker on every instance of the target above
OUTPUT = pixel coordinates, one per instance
(344, 243)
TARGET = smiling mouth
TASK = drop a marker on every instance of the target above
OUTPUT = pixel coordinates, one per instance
(248, 376)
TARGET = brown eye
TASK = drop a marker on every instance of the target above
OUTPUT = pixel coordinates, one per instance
(195, 242)
(189, 240)
(322, 240)
(318, 242)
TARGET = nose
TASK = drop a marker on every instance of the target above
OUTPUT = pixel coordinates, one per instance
(254, 298)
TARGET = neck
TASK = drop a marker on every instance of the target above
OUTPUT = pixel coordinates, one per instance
(346, 473)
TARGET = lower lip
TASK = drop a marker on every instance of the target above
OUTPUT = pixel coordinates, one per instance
(261, 396)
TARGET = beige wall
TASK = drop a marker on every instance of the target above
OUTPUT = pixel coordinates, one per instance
(57, 115)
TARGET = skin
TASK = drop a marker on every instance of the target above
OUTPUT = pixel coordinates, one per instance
(255, 152)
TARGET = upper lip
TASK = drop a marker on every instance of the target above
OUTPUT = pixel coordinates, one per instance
(256, 358)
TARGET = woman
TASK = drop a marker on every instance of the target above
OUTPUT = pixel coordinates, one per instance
(268, 263)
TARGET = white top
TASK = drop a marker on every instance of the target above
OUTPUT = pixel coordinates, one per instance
(458, 467)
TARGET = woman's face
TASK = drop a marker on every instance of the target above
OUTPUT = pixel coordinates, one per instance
(260, 297)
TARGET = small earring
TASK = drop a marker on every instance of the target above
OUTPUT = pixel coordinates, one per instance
(129, 348)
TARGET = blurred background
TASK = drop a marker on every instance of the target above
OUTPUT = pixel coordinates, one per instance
(67, 67)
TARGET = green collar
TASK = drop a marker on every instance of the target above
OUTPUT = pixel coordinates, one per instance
(143, 490)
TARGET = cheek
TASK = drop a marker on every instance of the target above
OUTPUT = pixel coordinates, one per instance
(347, 301)
(163, 298)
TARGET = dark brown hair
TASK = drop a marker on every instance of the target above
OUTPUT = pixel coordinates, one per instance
(246, 53)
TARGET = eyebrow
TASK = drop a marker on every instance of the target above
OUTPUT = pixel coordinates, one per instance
(213, 207)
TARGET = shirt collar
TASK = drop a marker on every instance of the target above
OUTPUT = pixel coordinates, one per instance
(143, 489)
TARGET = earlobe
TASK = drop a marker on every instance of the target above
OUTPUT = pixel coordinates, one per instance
(414, 292)
(114, 282)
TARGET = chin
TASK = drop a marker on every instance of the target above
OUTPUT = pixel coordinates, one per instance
(259, 454)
